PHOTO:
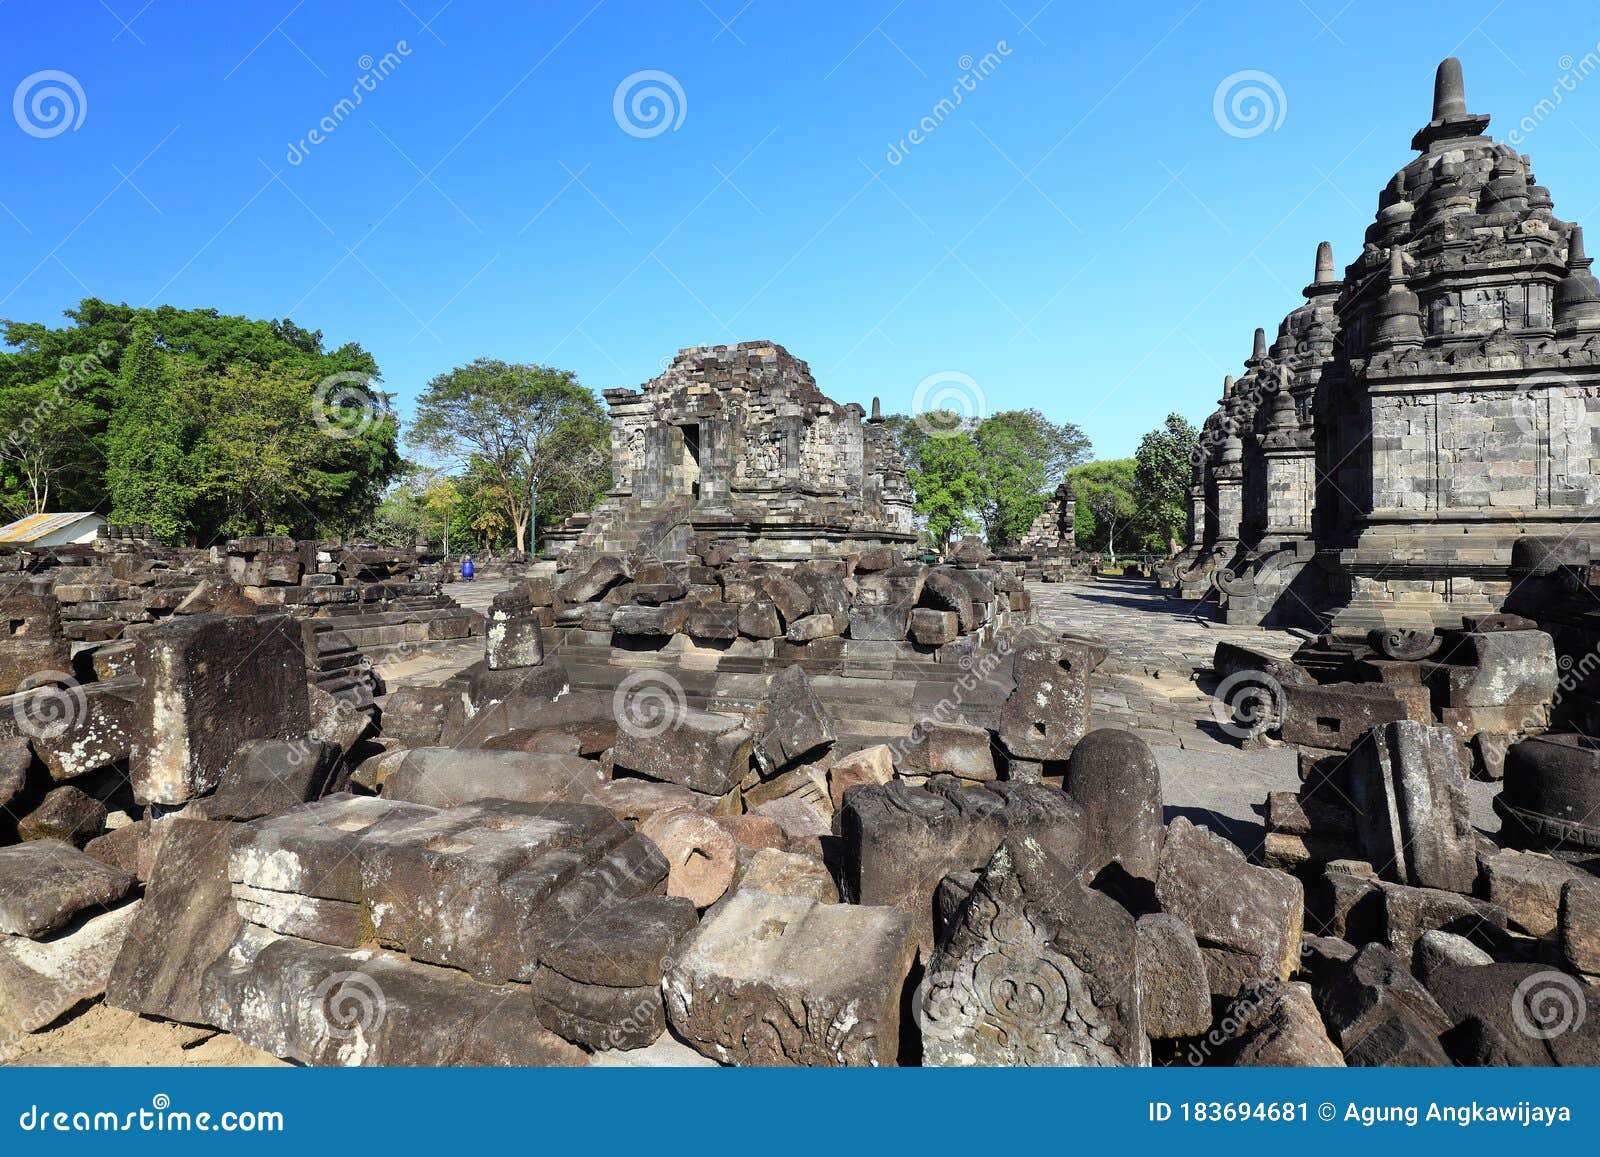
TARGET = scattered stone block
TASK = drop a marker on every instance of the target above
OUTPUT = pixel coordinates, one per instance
(1247, 920)
(1527, 886)
(67, 814)
(1408, 784)
(757, 956)
(700, 750)
(784, 874)
(267, 776)
(1174, 995)
(1113, 778)
(45, 885)
(1048, 712)
(212, 682)
(865, 767)
(446, 776)
(185, 923)
(1579, 925)
(932, 627)
(320, 1005)
(1037, 969)
(1281, 1029)
(796, 723)
(1379, 1014)
(42, 979)
(701, 856)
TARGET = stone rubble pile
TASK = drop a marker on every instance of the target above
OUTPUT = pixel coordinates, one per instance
(524, 873)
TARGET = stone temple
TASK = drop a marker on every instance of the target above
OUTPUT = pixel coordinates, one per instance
(736, 441)
(1379, 463)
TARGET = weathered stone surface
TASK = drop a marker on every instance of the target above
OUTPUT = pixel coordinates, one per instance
(1409, 912)
(1113, 777)
(1281, 1029)
(1037, 969)
(810, 627)
(758, 619)
(33, 644)
(186, 921)
(1337, 716)
(784, 874)
(66, 813)
(952, 749)
(1248, 920)
(1435, 949)
(1408, 782)
(701, 856)
(46, 884)
(603, 574)
(483, 887)
(1379, 1014)
(865, 767)
(1174, 995)
(513, 637)
(1528, 887)
(700, 750)
(942, 589)
(446, 776)
(1580, 925)
(789, 597)
(619, 953)
(1551, 796)
(783, 980)
(313, 850)
(16, 757)
(1048, 712)
(267, 776)
(934, 628)
(320, 1005)
(213, 682)
(1517, 1014)
(41, 979)
(796, 725)
(899, 841)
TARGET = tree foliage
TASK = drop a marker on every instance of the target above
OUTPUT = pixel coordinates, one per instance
(114, 412)
(994, 475)
(1161, 482)
(527, 434)
(1106, 504)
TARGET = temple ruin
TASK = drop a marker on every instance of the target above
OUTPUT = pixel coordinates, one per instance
(737, 442)
(1379, 462)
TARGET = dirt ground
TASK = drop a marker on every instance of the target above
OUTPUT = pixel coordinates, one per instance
(103, 1036)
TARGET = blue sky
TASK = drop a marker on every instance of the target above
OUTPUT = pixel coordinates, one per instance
(1082, 233)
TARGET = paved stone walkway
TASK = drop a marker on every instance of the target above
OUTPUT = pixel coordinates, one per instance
(1148, 685)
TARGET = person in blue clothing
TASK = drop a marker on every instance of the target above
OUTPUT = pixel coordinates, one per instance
(466, 569)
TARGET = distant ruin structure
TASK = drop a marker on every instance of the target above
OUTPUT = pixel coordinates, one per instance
(737, 442)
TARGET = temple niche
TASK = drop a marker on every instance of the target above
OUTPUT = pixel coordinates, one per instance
(1418, 417)
(737, 442)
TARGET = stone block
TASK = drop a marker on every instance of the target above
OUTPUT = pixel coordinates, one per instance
(733, 982)
(46, 885)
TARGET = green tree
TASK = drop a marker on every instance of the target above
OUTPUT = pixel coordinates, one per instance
(521, 426)
(1161, 481)
(1105, 491)
(148, 440)
(946, 476)
(84, 448)
(1022, 456)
